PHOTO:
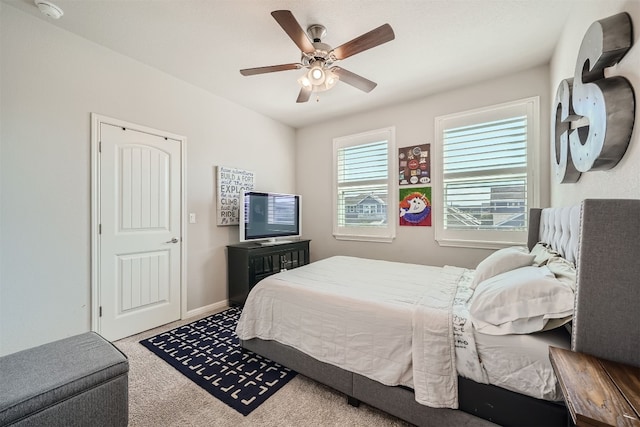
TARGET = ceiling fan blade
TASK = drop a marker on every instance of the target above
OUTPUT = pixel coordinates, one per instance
(304, 95)
(293, 29)
(354, 79)
(373, 38)
(270, 69)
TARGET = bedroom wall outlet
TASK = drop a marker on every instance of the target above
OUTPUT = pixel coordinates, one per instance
(192, 218)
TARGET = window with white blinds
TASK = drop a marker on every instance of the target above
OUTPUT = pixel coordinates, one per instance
(364, 197)
(487, 174)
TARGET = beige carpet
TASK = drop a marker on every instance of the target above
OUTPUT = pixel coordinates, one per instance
(160, 396)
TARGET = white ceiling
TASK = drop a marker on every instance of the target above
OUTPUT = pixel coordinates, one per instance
(439, 44)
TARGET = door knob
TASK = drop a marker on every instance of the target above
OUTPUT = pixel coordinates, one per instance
(174, 240)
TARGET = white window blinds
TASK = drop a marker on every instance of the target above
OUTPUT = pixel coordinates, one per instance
(487, 174)
(362, 185)
(364, 198)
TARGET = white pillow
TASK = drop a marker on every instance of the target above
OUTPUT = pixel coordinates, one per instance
(563, 270)
(543, 254)
(520, 301)
(500, 261)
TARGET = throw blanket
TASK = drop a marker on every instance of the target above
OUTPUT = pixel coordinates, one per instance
(435, 377)
(389, 321)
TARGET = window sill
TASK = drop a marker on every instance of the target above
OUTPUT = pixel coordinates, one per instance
(356, 238)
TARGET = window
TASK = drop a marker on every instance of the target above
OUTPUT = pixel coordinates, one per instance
(487, 175)
(364, 191)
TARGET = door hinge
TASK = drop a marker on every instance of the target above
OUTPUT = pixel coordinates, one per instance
(100, 311)
(99, 228)
(100, 147)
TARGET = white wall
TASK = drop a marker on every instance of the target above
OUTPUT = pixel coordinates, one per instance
(621, 181)
(414, 124)
(50, 81)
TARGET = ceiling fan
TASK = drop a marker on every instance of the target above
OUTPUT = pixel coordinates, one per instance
(319, 58)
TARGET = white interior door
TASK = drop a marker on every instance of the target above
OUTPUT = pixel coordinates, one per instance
(139, 230)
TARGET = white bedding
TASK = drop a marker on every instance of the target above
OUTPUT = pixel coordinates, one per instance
(371, 317)
(398, 324)
(521, 363)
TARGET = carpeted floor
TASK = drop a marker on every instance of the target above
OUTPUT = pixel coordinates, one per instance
(160, 396)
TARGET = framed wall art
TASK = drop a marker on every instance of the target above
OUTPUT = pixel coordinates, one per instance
(414, 165)
(415, 206)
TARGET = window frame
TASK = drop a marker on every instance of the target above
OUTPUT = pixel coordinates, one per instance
(382, 234)
(487, 239)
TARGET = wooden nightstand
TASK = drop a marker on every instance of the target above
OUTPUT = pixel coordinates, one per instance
(597, 392)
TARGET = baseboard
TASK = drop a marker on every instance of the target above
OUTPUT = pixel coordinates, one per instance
(217, 306)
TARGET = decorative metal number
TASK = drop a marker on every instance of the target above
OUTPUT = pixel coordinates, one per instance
(593, 114)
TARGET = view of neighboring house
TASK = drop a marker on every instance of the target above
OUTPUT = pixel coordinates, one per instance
(365, 208)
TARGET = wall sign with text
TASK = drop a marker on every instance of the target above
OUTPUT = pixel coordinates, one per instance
(230, 183)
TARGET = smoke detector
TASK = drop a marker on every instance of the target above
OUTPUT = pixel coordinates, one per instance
(49, 9)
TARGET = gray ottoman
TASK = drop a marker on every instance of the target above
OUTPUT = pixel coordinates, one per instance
(76, 381)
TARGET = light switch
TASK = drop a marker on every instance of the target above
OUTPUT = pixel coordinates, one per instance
(192, 218)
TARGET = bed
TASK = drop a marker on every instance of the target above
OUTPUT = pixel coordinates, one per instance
(421, 363)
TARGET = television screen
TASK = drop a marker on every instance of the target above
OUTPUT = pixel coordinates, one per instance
(267, 216)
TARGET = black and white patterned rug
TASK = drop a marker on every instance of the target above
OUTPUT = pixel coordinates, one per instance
(208, 352)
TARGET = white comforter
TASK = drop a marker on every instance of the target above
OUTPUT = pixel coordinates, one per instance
(391, 322)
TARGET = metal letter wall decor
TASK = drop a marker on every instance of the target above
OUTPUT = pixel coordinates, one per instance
(593, 114)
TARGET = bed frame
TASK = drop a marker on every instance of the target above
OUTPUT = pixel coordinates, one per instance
(602, 236)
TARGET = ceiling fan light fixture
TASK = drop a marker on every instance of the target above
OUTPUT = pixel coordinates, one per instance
(316, 75)
(327, 80)
(331, 79)
(319, 58)
(304, 82)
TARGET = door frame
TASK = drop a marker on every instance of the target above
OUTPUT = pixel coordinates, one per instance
(96, 121)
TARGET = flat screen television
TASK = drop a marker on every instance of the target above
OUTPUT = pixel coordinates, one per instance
(269, 217)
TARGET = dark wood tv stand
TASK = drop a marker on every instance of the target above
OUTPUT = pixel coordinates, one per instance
(250, 262)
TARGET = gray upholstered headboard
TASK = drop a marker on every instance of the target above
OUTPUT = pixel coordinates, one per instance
(559, 227)
(602, 236)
